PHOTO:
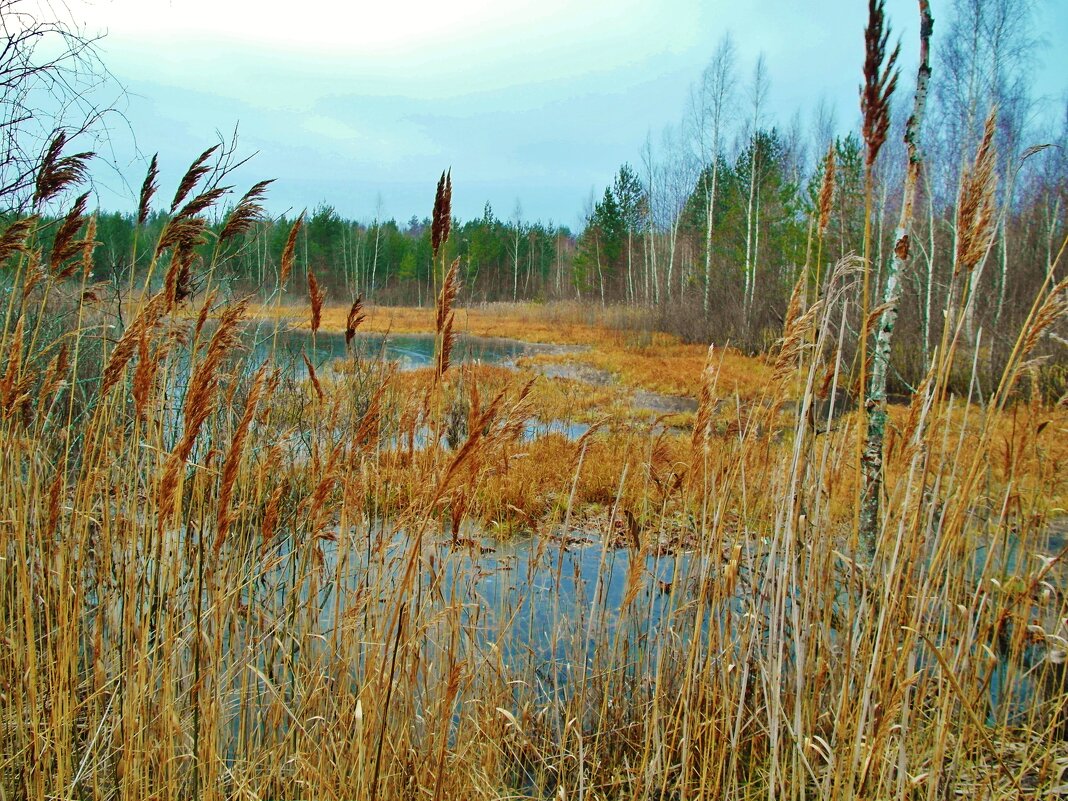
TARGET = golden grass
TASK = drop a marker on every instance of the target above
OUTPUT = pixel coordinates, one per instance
(527, 322)
(656, 362)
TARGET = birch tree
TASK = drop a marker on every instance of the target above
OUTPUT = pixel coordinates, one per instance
(712, 103)
(517, 234)
(758, 92)
(652, 179)
(876, 395)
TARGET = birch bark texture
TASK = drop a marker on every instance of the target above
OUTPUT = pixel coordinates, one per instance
(876, 393)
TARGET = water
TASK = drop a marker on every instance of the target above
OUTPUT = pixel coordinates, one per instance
(546, 615)
(530, 599)
(414, 351)
(408, 351)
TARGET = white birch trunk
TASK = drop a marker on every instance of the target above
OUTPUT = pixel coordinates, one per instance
(876, 396)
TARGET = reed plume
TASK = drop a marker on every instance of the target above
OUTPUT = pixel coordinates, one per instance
(148, 190)
(367, 433)
(316, 502)
(13, 240)
(290, 250)
(182, 233)
(880, 80)
(703, 423)
(34, 273)
(469, 450)
(202, 316)
(475, 407)
(178, 282)
(144, 376)
(355, 317)
(316, 294)
(88, 244)
(313, 377)
(1053, 308)
(202, 202)
(449, 289)
(197, 170)
(57, 171)
(145, 320)
(796, 332)
(225, 516)
(442, 220)
(448, 339)
(975, 212)
(826, 196)
(272, 513)
(65, 245)
(247, 212)
(55, 377)
(9, 383)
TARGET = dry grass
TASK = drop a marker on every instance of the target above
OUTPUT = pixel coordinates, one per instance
(656, 362)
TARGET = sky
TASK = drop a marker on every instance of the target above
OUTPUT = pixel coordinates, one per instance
(533, 105)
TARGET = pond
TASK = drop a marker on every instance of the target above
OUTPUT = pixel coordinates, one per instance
(538, 601)
(408, 351)
(414, 351)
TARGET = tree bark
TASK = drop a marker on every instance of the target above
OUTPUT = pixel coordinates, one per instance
(876, 399)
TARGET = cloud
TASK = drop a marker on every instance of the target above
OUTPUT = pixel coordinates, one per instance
(539, 101)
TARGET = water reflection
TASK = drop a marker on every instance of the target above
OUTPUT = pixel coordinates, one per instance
(408, 351)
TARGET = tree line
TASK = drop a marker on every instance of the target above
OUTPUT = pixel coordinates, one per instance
(716, 221)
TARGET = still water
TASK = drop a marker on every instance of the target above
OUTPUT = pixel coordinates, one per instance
(408, 351)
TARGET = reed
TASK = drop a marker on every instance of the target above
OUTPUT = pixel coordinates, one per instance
(148, 190)
(978, 202)
(446, 318)
(197, 170)
(316, 295)
(355, 317)
(290, 250)
(59, 171)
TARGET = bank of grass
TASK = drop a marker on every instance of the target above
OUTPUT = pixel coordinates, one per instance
(615, 341)
(221, 581)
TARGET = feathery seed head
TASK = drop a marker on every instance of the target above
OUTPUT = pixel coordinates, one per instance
(197, 170)
(975, 214)
(65, 245)
(355, 317)
(442, 220)
(880, 80)
(57, 171)
(148, 189)
(826, 197)
(13, 240)
(290, 250)
(247, 212)
(316, 294)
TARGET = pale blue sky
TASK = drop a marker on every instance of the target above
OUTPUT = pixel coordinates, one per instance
(536, 102)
